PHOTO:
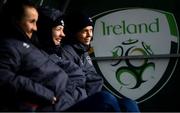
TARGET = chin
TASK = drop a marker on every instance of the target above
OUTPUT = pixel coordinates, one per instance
(86, 44)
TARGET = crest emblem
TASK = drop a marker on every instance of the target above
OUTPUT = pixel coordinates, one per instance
(139, 44)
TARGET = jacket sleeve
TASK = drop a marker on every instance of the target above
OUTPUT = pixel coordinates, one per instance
(14, 85)
(77, 78)
(94, 81)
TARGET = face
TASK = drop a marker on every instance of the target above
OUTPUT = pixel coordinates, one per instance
(85, 35)
(29, 20)
(58, 34)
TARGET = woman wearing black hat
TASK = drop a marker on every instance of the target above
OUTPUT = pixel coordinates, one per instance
(79, 32)
(50, 33)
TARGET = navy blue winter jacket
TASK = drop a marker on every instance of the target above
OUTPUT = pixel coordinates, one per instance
(78, 53)
(30, 75)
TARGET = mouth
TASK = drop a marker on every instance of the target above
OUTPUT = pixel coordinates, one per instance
(87, 40)
(58, 41)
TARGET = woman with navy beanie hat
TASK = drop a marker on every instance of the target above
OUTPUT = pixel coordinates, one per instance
(79, 34)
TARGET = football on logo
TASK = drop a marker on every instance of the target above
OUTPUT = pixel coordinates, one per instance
(139, 44)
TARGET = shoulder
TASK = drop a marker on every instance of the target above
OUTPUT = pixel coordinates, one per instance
(9, 44)
(70, 53)
(15, 46)
(69, 49)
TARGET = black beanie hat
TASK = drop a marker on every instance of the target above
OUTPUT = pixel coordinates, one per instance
(50, 16)
(76, 21)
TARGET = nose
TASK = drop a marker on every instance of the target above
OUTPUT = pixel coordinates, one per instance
(34, 27)
(62, 34)
(90, 33)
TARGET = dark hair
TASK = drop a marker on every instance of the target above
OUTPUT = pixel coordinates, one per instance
(15, 9)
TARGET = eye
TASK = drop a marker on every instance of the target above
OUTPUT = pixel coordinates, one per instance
(33, 21)
(59, 28)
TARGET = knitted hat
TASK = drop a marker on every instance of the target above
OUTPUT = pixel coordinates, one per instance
(50, 16)
(77, 21)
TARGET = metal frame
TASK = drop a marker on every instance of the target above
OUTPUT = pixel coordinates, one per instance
(136, 57)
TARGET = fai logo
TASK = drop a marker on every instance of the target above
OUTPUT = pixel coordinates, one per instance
(135, 47)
